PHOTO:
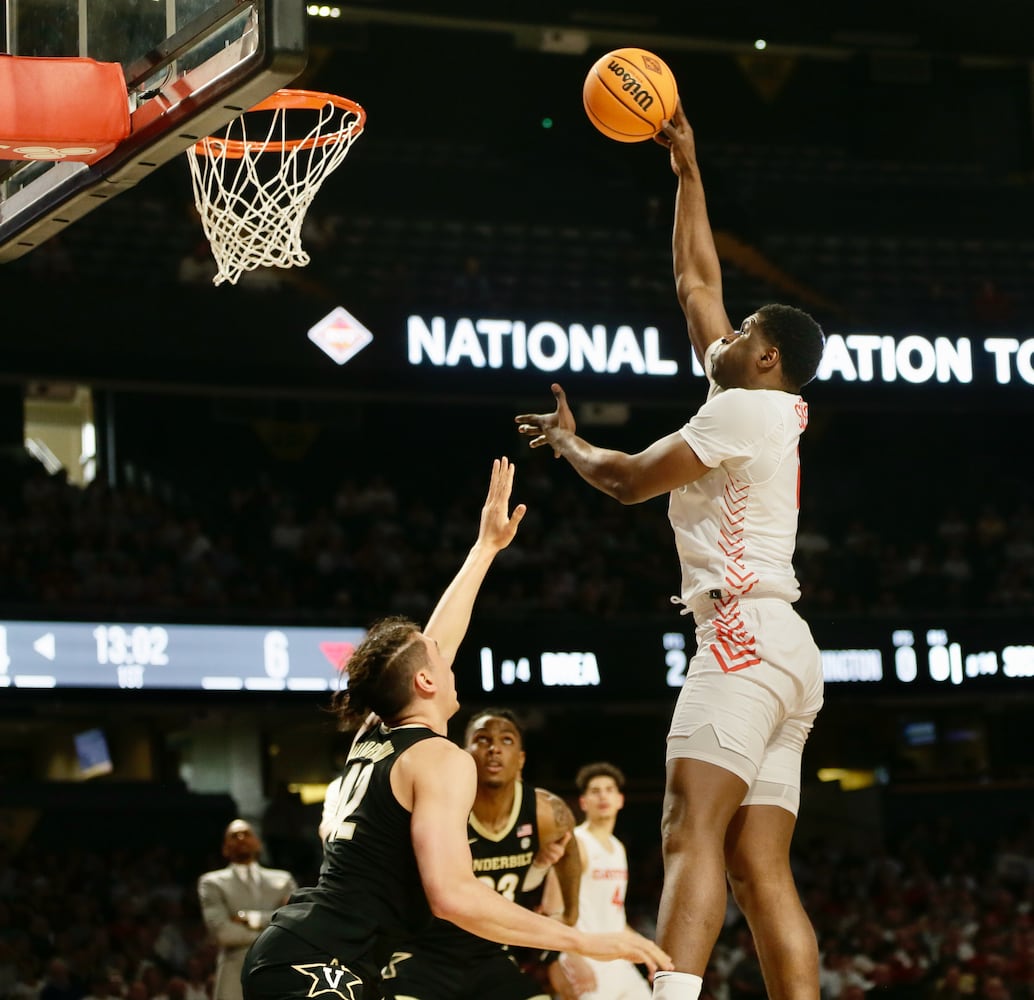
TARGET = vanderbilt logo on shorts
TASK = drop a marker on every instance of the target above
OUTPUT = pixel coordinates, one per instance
(334, 979)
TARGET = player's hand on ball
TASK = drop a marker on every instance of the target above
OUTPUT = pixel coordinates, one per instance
(677, 135)
(542, 428)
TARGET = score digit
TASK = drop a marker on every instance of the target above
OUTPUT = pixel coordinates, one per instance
(675, 659)
(276, 655)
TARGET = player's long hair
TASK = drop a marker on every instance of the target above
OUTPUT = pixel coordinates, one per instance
(380, 673)
(799, 338)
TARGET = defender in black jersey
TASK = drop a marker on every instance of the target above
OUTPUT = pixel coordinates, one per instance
(368, 856)
(504, 830)
(396, 848)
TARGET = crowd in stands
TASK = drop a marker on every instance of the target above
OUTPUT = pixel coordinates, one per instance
(373, 541)
(938, 914)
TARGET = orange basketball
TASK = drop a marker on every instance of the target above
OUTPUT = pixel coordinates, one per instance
(628, 93)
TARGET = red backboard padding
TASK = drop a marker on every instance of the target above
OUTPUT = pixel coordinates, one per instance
(61, 109)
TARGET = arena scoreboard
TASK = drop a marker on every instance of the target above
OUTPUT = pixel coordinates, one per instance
(51, 654)
(585, 661)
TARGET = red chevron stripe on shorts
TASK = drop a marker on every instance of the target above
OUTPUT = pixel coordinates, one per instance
(734, 647)
(731, 658)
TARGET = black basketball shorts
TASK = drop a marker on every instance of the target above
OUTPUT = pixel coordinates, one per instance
(496, 976)
(281, 966)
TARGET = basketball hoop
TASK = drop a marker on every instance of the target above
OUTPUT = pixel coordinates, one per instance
(253, 193)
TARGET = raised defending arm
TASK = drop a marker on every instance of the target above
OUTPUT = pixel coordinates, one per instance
(451, 617)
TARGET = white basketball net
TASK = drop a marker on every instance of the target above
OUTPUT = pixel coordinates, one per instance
(253, 222)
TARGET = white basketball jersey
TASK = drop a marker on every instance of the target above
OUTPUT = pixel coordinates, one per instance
(736, 527)
(601, 900)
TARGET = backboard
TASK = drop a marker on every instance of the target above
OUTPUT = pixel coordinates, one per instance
(191, 66)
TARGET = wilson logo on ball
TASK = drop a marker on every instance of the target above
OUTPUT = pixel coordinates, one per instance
(630, 85)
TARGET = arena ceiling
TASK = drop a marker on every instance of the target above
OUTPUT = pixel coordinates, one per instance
(994, 28)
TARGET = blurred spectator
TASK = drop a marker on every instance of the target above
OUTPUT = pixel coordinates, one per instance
(197, 266)
(471, 287)
(102, 988)
(59, 984)
(992, 308)
(953, 528)
(745, 980)
(811, 539)
(197, 986)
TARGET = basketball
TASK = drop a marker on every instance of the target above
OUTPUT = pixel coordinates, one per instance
(628, 93)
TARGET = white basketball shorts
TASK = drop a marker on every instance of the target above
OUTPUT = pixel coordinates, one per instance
(751, 695)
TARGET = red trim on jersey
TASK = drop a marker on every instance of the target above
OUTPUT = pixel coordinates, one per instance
(734, 647)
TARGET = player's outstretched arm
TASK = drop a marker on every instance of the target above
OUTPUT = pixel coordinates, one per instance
(451, 617)
(665, 465)
(438, 781)
(698, 272)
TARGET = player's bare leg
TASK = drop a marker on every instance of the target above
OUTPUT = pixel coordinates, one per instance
(700, 800)
(758, 858)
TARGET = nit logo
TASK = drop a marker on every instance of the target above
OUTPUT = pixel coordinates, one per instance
(331, 978)
(340, 335)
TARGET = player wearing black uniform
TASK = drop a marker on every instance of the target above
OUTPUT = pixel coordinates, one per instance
(396, 850)
(369, 857)
(504, 830)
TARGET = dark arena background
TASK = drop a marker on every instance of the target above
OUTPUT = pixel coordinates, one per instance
(200, 509)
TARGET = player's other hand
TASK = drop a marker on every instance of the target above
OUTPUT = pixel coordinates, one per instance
(559, 983)
(629, 945)
(577, 972)
(498, 525)
(542, 428)
(549, 854)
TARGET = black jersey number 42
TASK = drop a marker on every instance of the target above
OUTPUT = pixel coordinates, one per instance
(354, 783)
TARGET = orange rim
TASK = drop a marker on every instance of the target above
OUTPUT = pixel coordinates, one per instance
(286, 100)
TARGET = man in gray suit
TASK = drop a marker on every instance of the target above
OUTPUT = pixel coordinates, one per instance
(238, 901)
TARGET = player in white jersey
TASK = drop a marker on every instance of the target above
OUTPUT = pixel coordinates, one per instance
(604, 883)
(754, 687)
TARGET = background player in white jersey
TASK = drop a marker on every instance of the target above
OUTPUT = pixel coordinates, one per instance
(754, 687)
(604, 883)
